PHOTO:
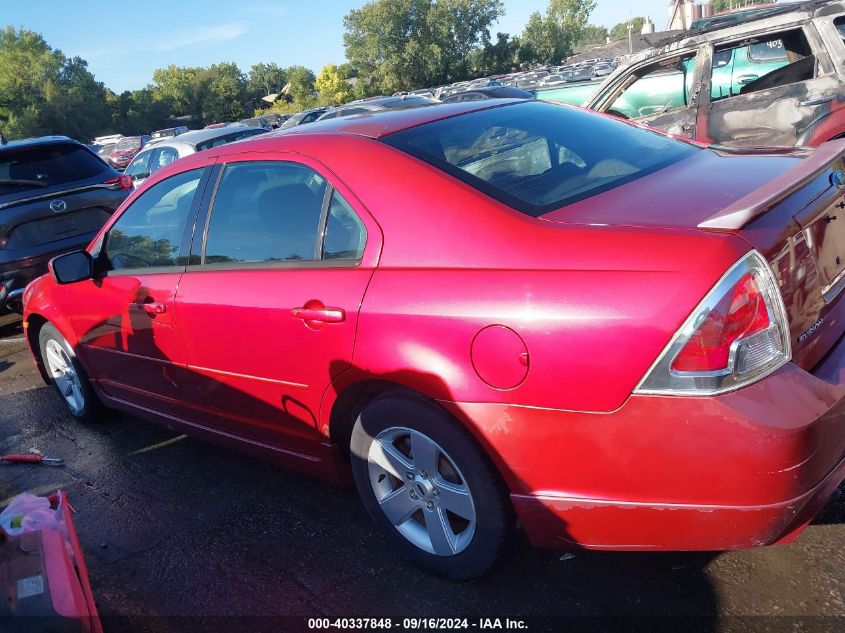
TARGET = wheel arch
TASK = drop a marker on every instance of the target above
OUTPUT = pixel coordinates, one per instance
(355, 396)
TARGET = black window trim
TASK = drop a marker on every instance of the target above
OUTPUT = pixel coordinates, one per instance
(196, 258)
(187, 234)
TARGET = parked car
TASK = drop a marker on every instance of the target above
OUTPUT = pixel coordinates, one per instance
(364, 106)
(125, 149)
(480, 94)
(259, 121)
(55, 194)
(168, 132)
(776, 78)
(583, 332)
(602, 70)
(303, 118)
(152, 159)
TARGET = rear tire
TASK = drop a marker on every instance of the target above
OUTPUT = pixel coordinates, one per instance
(428, 487)
(67, 375)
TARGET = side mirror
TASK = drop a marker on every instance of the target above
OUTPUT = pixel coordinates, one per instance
(72, 267)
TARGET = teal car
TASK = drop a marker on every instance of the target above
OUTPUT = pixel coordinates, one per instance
(670, 89)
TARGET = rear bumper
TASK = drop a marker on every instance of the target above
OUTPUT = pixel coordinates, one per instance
(743, 469)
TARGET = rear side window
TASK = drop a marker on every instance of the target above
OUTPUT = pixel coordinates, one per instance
(265, 212)
(40, 166)
(345, 234)
(148, 234)
(536, 156)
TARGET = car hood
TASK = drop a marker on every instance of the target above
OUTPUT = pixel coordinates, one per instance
(684, 194)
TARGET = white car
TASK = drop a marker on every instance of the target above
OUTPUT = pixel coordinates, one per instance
(156, 156)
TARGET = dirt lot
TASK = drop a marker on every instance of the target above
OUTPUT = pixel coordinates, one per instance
(183, 536)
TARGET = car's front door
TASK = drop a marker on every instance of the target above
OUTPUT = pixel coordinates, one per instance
(268, 313)
(125, 317)
(773, 101)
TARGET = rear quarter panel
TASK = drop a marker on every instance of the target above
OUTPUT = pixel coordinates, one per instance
(593, 305)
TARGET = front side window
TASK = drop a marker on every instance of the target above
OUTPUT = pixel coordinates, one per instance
(148, 233)
(536, 156)
(840, 27)
(658, 88)
(265, 212)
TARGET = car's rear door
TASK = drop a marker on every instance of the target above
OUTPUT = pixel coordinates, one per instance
(125, 317)
(268, 308)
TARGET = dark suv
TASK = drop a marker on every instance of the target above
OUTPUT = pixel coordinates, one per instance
(54, 195)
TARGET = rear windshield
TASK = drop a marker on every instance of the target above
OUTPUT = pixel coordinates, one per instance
(536, 156)
(41, 166)
(411, 101)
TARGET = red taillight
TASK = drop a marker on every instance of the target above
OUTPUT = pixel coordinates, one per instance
(121, 182)
(741, 313)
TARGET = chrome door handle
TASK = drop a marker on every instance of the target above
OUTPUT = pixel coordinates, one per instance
(817, 101)
(744, 80)
(153, 308)
(321, 315)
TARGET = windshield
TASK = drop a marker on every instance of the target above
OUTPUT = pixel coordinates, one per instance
(131, 142)
(41, 166)
(536, 156)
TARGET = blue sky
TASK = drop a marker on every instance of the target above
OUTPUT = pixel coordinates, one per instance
(125, 42)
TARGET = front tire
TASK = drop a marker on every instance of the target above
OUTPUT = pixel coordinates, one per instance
(67, 375)
(428, 487)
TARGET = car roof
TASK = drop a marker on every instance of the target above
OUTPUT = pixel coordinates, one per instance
(198, 136)
(41, 140)
(377, 124)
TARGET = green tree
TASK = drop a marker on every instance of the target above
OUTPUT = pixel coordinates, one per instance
(224, 93)
(620, 31)
(592, 35)
(183, 87)
(332, 87)
(551, 38)
(265, 79)
(497, 58)
(408, 44)
(44, 92)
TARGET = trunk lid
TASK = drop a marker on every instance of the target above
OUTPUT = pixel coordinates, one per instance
(789, 204)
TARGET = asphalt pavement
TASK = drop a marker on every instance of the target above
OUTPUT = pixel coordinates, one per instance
(180, 535)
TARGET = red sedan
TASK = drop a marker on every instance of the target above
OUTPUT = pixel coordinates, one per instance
(484, 314)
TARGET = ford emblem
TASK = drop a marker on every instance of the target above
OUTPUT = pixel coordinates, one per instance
(57, 206)
(837, 179)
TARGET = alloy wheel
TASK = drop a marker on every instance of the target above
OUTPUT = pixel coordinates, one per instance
(421, 491)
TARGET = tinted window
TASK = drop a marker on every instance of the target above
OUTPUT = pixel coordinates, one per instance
(351, 111)
(840, 26)
(535, 156)
(265, 212)
(407, 102)
(345, 234)
(40, 166)
(149, 232)
(329, 115)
